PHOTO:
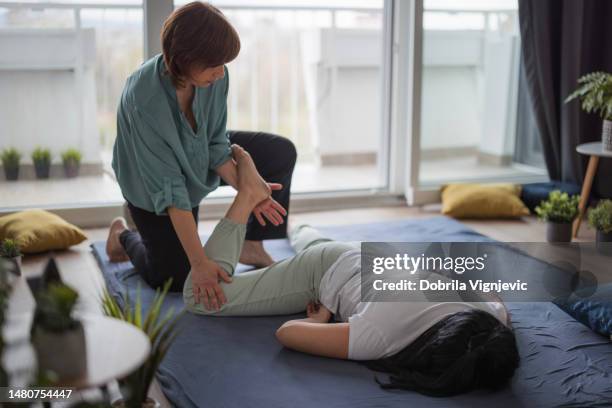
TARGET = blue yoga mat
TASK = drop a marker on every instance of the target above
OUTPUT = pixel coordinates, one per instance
(237, 362)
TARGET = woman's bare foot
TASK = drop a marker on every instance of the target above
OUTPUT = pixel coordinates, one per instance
(249, 180)
(253, 253)
(114, 249)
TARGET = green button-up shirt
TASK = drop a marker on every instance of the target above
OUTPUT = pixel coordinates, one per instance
(159, 160)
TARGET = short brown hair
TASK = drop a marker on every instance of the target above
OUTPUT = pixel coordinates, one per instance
(197, 35)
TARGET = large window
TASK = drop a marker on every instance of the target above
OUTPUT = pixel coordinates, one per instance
(62, 69)
(308, 70)
(470, 88)
(312, 71)
(320, 72)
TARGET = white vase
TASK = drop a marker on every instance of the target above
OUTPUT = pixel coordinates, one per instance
(63, 353)
(606, 135)
(17, 261)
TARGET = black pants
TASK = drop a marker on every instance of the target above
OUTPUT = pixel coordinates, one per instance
(155, 250)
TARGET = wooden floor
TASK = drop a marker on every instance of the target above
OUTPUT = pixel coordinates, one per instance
(80, 270)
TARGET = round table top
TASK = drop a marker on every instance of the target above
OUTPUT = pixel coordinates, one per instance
(114, 348)
(593, 149)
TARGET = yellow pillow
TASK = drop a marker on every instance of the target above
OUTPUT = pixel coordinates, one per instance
(39, 231)
(483, 201)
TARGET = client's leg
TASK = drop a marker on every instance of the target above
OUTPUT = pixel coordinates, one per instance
(284, 287)
(225, 243)
(304, 236)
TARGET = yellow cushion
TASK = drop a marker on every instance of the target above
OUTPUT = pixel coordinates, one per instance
(483, 201)
(39, 231)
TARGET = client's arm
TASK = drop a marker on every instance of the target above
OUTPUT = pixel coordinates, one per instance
(314, 335)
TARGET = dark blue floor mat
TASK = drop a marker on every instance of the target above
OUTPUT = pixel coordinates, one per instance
(237, 362)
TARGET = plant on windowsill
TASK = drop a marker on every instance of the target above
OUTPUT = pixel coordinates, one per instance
(600, 218)
(595, 94)
(10, 161)
(42, 162)
(558, 211)
(161, 328)
(58, 338)
(71, 159)
(9, 249)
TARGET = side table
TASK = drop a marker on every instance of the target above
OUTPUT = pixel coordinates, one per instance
(594, 151)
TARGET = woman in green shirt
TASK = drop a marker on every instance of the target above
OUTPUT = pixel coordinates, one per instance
(172, 149)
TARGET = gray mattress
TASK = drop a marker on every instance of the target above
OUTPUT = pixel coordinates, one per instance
(236, 362)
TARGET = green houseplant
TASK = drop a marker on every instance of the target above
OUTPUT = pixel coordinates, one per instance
(595, 94)
(10, 161)
(5, 293)
(42, 162)
(57, 337)
(71, 160)
(10, 250)
(161, 328)
(600, 218)
(558, 211)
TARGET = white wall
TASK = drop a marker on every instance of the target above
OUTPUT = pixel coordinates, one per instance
(44, 98)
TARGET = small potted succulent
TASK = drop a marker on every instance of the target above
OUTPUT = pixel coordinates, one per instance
(595, 94)
(600, 218)
(9, 249)
(559, 211)
(58, 339)
(42, 162)
(161, 328)
(71, 159)
(10, 161)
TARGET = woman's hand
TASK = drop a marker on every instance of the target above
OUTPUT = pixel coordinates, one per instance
(205, 279)
(318, 313)
(270, 209)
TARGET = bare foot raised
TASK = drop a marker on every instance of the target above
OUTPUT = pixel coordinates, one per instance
(253, 253)
(249, 180)
(114, 249)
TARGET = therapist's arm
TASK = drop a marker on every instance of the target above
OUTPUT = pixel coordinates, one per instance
(229, 173)
(205, 273)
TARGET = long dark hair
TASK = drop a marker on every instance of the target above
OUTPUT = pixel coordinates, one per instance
(462, 352)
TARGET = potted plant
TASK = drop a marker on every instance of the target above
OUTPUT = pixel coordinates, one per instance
(10, 250)
(595, 94)
(58, 339)
(42, 162)
(71, 159)
(161, 330)
(559, 211)
(600, 218)
(10, 161)
(5, 293)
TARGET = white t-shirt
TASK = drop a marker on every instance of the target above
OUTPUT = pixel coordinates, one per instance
(382, 329)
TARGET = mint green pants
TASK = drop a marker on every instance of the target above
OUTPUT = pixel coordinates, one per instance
(284, 287)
